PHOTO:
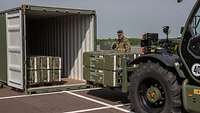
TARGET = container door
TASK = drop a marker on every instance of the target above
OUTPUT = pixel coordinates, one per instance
(14, 49)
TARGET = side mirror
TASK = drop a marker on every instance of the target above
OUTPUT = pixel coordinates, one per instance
(179, 1)
(166, 30)
(182, 29)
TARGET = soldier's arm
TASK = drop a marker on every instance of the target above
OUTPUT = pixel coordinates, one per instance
(127, 45)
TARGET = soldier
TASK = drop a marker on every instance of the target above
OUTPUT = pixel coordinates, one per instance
(122, 44)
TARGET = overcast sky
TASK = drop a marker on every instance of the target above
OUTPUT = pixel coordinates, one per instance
(135, 17)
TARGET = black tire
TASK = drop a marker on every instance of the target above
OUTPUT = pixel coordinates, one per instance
(150, 74)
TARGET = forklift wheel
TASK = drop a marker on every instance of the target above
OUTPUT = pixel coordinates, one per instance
(154, 89)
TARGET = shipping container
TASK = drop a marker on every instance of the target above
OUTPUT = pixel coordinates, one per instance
(44, 31)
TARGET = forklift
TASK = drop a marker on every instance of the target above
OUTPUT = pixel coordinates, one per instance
(170, 83)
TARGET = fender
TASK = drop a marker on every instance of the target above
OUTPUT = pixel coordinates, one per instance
(167, 60)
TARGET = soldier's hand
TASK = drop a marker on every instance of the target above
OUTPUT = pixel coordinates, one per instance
(114, 46)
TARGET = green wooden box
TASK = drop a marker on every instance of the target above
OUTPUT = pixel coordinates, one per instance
(55, 75)
(104, 77)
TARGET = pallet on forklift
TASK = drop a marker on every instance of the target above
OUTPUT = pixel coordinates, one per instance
(105, 67)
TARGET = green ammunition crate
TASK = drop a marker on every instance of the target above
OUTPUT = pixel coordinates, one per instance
(43, 76)
(111, 78)
(55, 75)
(49, 62)
(93, 75)
(93, 59)
(113, 61)
(37, 76)
(33, 63)
(106, 78)
(50, 73)
(31, 76)
(103, 67)
(41, 62)
(86, 73)
(57, 63)
(86, 57)
(106, 60)
(44, 62)
(97, 79)
(42, 69)
(97, 61)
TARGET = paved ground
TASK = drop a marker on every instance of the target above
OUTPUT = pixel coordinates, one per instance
(78, 101)
(7, 91)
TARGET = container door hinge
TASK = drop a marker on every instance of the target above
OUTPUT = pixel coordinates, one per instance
(24, 8)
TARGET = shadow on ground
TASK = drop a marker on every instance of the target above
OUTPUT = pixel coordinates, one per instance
(113, 95)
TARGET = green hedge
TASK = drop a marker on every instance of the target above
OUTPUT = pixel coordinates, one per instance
(105, 44)
(133, 41)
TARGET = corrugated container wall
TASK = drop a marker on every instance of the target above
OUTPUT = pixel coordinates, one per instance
(65, 36)
(3, 49)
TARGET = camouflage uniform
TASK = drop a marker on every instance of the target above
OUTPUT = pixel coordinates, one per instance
(122, 45)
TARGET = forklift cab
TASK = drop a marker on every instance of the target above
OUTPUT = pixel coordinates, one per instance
(190, 57)
(190, 45)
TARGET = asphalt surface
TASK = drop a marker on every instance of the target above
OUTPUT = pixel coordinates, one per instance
(77, 101)
(7, 91)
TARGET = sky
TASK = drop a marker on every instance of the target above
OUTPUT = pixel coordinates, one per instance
(135, 17)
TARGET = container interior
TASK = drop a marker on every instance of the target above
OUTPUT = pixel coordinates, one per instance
(64, 35)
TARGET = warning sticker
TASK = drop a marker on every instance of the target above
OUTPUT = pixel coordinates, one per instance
(196, 70)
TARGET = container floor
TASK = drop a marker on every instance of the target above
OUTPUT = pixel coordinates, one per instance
(6, 91)
(77, 101)
(72, 81)
(64, 81)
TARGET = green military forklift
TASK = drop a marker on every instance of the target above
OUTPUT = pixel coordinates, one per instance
(157, 82)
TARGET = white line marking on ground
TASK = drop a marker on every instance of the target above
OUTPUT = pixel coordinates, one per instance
(21, 96)
(95, 109)
(87, 110)
(99, 102)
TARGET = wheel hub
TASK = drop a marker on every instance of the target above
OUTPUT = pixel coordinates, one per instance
(153, 94)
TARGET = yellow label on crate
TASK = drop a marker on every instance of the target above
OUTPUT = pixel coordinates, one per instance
(197, 91)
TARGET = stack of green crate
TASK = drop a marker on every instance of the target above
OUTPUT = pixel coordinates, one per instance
(104, 67)
(55, 69)
(32, 68)
(43, 69)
